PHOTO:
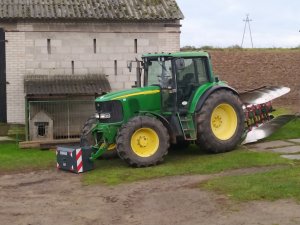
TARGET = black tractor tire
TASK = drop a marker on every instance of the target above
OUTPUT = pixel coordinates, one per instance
(87, 139)
(143, 141)
(220, 122)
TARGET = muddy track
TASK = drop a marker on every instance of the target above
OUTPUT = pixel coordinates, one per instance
(55, 197)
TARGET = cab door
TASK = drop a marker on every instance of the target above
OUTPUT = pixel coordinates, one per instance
(191, 73)
(160, 72)
(168, 87)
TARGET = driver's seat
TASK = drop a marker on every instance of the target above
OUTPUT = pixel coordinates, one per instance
(188, 84)
(186, 88)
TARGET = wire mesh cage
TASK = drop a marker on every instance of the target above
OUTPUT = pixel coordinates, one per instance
(58, 119)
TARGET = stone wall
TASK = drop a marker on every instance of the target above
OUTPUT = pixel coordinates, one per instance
(15, 70)
(73, 48)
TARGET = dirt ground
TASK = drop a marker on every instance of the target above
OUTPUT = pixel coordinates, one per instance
(56, 197)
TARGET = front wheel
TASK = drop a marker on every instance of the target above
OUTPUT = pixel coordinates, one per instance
(143, 141)
(220, 122)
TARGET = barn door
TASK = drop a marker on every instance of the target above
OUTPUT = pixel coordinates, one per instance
(3, 116)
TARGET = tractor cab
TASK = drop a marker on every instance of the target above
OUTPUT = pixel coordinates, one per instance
(178, 76)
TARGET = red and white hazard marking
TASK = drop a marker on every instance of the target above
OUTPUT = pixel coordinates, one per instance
(79, 160)
(57, 165)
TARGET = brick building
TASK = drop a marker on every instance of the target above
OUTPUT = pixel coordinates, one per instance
(48, 39)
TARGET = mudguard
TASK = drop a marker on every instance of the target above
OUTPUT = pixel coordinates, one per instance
(205, 96)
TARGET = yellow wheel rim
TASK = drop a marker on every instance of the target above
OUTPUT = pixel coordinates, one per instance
(223, 121)
(144, 142)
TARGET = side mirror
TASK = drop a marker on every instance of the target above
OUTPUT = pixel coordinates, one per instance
(129, 65)
(180, 64)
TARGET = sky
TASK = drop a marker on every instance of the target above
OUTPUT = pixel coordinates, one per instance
(219, 23)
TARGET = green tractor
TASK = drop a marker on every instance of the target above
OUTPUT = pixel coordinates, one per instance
(177, 101)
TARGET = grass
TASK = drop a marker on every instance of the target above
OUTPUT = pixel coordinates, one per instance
(273, 185)
(113, 172)
(289, 131)
(281, 111)
(13, 159)
(180, 162)
(185, 162)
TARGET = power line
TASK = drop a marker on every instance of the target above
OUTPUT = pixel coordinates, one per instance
(247, 22)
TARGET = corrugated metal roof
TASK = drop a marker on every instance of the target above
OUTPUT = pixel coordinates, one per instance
(66, 85)
(90, 9)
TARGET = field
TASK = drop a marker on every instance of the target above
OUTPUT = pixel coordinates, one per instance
(249, 69)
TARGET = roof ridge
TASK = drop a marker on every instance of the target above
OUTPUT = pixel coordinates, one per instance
(91, 9)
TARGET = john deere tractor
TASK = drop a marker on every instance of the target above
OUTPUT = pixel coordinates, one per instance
(177, 100)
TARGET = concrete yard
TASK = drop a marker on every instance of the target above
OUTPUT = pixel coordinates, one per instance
(289, 149)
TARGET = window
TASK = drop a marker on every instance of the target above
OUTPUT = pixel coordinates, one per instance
(201, 70)
(72, 65)
(135, 46)
(95, 45)
(41, 128)
(191, 73)
(49, 46)
(194, 71)
(116, 67)
(160, 73)
(186, 74)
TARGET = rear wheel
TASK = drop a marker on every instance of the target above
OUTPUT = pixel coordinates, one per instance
(143, 141)
(87, 139)
(220, 122)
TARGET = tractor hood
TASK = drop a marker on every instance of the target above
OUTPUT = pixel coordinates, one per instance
(131, 93)
(146, 99)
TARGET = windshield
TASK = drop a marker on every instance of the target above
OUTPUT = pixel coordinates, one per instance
(160, 73)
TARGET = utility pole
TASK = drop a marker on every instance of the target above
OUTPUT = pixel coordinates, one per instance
(247, 22)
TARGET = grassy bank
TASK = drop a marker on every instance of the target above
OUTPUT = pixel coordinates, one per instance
(115, 171)
(185, 162)
(178, 162)
(289, 131)
(13, 159)
(273, 185)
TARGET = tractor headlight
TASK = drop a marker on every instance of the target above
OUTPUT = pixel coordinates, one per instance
(105, 116)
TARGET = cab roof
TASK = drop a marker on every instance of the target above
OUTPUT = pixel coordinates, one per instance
(178, 54)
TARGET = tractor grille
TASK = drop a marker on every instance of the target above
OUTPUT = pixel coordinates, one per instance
(114, 108)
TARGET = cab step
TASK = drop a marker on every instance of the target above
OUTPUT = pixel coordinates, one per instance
(188, 127)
